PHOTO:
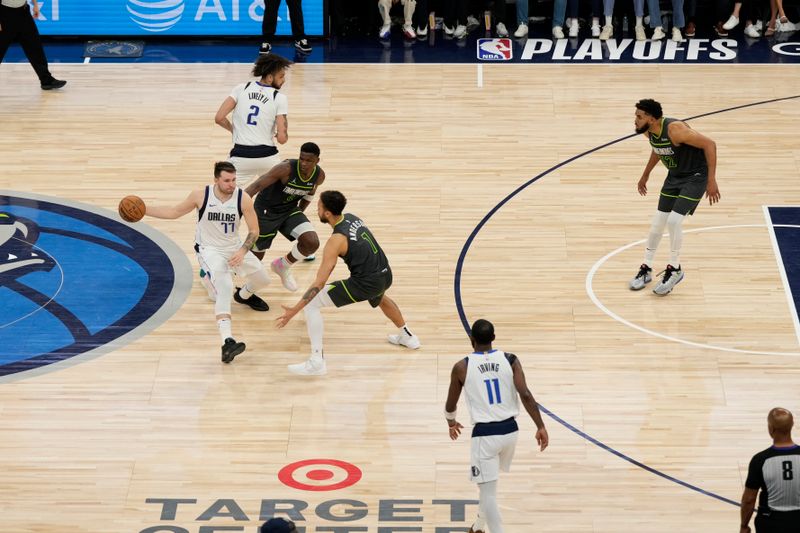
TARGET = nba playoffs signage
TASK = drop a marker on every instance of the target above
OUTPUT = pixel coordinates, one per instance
(169, 17)
(173, 515)
(632, 51)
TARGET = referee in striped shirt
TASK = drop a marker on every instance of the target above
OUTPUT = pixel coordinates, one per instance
(776, 472)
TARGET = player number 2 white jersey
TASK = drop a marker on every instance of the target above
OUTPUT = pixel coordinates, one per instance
(489, 387)
(218, 222)
(253, 118)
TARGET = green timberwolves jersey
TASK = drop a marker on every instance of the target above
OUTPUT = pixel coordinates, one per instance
(682, 160)
(364, 256)
(283, 197)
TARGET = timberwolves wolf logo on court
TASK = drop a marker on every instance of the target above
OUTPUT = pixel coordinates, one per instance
(75, 281)
(494, 49)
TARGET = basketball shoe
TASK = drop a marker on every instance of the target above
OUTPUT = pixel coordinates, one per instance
(255, 303)
(404, 339)
(672, 276)
(231, 349)
(642, 278)
(311, 367)
(280, 267)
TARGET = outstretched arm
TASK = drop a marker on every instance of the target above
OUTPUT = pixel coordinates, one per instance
(191, 202)
(530, 404)
(275, 174)
(457, 377)
(336, 244)
(680, 133)
(224, 110)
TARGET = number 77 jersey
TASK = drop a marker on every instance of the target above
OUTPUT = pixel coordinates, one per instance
(218, 222)
(489, 387)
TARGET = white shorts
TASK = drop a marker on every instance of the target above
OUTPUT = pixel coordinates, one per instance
(215, 261)
(489, 455)
(249, 168)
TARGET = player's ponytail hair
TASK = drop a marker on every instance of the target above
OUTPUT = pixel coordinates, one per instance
(270, 64)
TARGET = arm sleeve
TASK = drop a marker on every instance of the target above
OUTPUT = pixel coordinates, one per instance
(755, 476)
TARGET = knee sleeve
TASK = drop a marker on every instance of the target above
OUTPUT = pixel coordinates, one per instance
(224, 285)
(659, 222)
(257, 281)
(674, 222)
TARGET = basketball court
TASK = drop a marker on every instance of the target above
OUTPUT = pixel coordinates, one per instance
(499, 191)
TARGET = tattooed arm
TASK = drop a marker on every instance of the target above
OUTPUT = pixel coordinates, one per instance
(336, 246)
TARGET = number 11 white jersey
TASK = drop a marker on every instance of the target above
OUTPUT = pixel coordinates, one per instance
(489, 387)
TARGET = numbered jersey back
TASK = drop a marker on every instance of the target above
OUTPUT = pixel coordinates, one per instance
(254, 115)
(218, 222)
(489, 387)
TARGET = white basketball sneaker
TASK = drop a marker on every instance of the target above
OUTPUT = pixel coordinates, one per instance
(672, 276)
(311, 367)
(643, 277)
(404, 339)
(279, 267)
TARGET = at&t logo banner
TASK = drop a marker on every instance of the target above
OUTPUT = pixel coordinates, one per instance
(169, 17)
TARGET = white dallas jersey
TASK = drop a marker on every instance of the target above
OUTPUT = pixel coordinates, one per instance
(253, 118)
(218, 222)
(490, 391)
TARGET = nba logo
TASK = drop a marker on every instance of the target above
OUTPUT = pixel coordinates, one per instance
(494, 49)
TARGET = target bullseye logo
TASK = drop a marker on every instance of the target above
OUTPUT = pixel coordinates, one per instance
(319, 475)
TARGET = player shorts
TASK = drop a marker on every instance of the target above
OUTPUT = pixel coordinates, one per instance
(215, 261)
(682, 194)
(250, 168)
(492, 453)
(352, 290)
(291, 225)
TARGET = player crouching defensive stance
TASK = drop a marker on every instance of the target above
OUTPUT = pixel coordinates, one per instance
(220, 252)
(370, 278)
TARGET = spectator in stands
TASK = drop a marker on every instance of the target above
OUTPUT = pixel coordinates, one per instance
(638, 9)
(750, 29)
(270, 22)
(384, 8)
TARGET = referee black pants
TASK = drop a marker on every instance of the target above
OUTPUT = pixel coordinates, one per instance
(777, 522)
(270, 21)
(17, 24)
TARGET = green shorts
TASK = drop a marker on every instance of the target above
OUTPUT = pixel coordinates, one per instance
(291, 225)
(352, 290)
(682, 194)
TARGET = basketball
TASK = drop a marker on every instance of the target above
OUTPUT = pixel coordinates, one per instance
(131, 208)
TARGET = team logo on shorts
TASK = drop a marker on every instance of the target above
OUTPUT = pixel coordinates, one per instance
(494, 49)
(74, 280)
(476, 471)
